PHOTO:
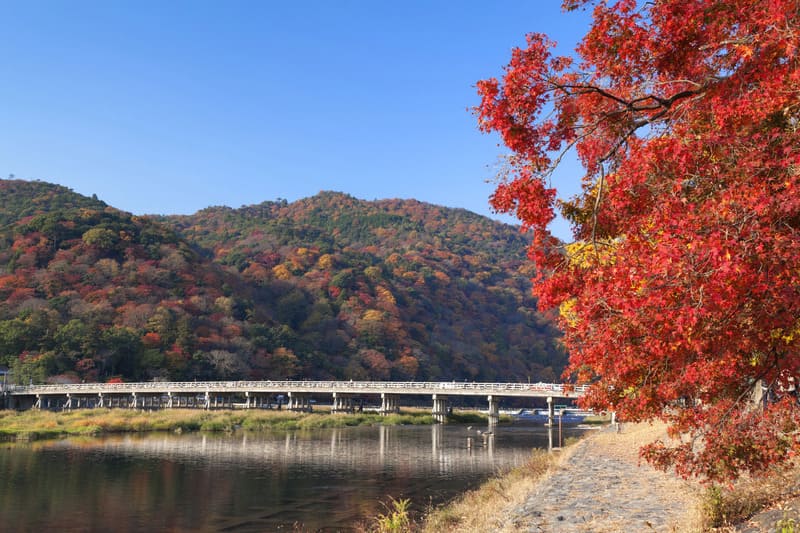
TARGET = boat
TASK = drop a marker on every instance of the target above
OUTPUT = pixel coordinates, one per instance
(568, 417)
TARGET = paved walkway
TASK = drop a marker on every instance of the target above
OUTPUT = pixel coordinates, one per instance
(601, 488)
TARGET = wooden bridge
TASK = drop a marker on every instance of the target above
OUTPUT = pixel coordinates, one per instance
(293, 395)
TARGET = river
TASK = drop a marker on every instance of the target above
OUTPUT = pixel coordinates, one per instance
(320, 480)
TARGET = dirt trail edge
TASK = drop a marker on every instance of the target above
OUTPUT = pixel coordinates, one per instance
(600, 487)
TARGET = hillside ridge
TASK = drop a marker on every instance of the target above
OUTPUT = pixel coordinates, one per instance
(328, 286)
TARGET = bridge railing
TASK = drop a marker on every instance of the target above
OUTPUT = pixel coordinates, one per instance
(406, 387)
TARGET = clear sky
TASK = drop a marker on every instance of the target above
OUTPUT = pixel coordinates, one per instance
(172, 106)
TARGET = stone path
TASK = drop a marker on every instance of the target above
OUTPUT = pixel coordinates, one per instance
(601, 488)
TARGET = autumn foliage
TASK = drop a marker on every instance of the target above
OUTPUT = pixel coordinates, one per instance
(680, 295)
(325, 287)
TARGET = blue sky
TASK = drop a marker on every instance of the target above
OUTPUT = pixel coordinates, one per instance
(169, 107)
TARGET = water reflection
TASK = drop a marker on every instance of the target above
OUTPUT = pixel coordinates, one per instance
(324, 479)
(348, 449)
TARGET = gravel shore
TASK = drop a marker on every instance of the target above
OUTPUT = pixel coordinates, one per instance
(601, 487)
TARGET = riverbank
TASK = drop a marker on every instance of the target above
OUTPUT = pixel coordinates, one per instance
(32, 424)
(599, 485)
(593, 485)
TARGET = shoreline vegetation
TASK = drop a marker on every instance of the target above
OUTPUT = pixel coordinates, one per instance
(771, 503)
(487, 507)
(483, 508)
(33, 424)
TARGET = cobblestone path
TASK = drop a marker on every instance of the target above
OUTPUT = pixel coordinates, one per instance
(601, 488)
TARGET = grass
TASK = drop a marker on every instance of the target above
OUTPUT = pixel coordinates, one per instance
(33, 424)
(482, 509)
(597, 420)
(488, 507)
(726, 506)
(397, 518)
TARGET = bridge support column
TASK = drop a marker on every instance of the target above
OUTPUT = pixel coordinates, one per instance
(494, 410)
(342, 403)
(389, 403)
(298, 402)
(439, 408)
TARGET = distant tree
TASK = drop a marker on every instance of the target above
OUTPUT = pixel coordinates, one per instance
(101, 238)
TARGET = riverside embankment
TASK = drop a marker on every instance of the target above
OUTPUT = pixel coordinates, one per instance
(595, 485)
(599, 485)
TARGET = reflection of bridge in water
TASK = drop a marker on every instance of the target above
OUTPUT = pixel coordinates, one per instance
(293, 395)
(343, 449)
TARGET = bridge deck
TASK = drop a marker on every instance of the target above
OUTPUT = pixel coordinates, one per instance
(259, 394)
(446, 388)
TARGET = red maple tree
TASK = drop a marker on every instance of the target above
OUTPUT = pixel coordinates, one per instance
(680, 295)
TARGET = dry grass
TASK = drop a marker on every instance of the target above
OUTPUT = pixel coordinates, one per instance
(34, 424)
(725, 507)
(625, 444)
(485, 508)
(488, 507)
(716, 508)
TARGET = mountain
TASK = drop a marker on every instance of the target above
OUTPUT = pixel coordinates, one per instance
(325, 287)
(90, 292)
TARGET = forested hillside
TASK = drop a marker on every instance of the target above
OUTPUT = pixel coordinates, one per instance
(326, 287)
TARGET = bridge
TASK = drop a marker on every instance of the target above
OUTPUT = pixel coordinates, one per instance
(294, 395)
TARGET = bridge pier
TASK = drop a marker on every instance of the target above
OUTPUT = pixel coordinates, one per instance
(255, 400)
(294, 395)
(494, 410)
(389, 404)
(299, 402)
(439, 408)
(342, 403)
